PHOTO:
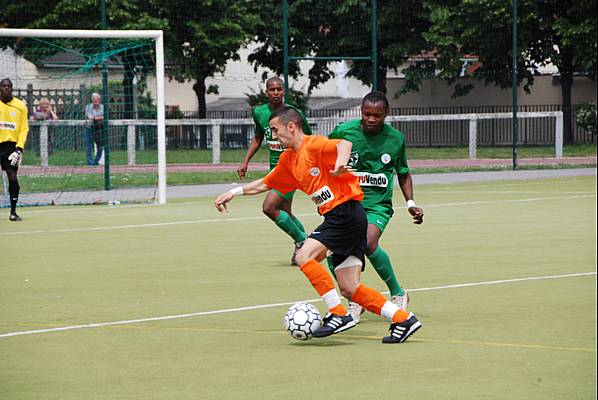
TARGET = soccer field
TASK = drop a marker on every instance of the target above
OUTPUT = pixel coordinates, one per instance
(180, 302)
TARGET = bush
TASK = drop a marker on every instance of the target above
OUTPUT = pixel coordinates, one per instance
(585, 116)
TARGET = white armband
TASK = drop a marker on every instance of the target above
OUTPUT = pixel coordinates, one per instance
(411, 204)
(236, 191)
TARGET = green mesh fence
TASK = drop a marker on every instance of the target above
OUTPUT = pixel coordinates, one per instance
(92, 112)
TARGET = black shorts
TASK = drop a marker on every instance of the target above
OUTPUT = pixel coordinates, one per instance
(344, 232)
(6, 149)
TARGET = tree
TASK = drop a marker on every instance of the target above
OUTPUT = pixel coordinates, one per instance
(341, 28)
(562, 33)
(85, 14)
(202, 38)
(305, 33)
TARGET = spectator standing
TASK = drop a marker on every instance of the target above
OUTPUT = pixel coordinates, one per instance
(94, 131)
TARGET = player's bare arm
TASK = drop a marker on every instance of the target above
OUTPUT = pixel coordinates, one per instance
(343, 150)
(254, 146)
(251, 188)
(406, 184)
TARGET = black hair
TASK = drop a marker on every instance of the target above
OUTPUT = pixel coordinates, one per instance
(6, 79)
(375, 98)
(274, 79)
(286, 115)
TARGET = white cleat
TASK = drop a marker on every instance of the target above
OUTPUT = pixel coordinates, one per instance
(355, 310)
(400, 301)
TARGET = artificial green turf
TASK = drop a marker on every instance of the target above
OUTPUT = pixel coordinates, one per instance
(96, 181)
(532, 339)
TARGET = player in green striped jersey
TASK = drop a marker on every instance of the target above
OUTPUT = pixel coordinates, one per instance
(276, 206)
(378, 152)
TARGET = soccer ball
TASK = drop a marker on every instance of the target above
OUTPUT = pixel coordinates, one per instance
(301, 320)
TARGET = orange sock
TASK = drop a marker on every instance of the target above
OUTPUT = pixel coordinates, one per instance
(321, 280)
(399, 316)
(373, 301)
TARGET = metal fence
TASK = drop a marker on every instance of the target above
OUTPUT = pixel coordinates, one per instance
(422, 133)
(134, 134)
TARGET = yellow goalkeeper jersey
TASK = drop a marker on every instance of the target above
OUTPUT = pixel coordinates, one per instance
(14, 125)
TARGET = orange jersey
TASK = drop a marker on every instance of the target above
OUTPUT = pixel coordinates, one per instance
(309, 171)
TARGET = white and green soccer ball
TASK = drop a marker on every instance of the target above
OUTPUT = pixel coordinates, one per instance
(301, 320)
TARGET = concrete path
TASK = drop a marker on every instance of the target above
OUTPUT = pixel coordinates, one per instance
(418, 179)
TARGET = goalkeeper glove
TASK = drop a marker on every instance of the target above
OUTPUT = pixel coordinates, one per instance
(16, 157)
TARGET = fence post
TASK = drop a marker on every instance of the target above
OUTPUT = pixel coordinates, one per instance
(131, 145)
(215, 144)
(43, 144)
(30, 99)
(558, 139)
(473, 139)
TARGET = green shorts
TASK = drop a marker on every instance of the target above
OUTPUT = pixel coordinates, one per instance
(378, 219)
(379, 215)
(287, 197)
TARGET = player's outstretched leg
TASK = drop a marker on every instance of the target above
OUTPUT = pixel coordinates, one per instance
(383, 267)
(400, 331)
(403, 323)
(277, 207)
(337, 319)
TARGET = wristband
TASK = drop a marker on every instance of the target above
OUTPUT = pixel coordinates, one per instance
(237, 191)
(411, 204)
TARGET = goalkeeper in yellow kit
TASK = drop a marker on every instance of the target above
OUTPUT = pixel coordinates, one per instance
(13, 134)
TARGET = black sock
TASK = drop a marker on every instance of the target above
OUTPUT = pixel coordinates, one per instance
(13, 190)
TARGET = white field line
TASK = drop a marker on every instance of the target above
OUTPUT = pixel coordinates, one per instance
(258, 307)
(209, 199)
(519, 192)
(105, 209)
(204, 221)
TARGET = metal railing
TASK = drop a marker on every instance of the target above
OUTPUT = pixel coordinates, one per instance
(213, 129)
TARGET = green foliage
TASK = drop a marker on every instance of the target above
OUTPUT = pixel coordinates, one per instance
(340, 28)
(200, 37)
(548, 31)
(585, 116)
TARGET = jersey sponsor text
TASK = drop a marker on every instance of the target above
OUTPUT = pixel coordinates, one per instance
(322, 196)
(367, 179)
(275, 145)
(9, 126)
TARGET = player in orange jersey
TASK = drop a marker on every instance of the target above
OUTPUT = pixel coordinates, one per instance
(318, 166)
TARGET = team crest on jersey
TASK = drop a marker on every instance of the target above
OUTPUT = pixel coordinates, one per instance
(314, 171)
(353, 159)
(385, 158)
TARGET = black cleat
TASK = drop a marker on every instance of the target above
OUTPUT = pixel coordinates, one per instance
(14, 217)
(298, 245)
(334, 324)
(400, 331)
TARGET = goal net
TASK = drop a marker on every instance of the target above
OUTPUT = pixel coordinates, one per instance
(93, 101)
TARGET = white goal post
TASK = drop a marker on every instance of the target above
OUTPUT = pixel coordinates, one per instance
(158, 37)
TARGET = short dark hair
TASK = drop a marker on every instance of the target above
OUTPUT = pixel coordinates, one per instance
(286, 115)
(6, 79)
(375, 98)
(274, 79)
